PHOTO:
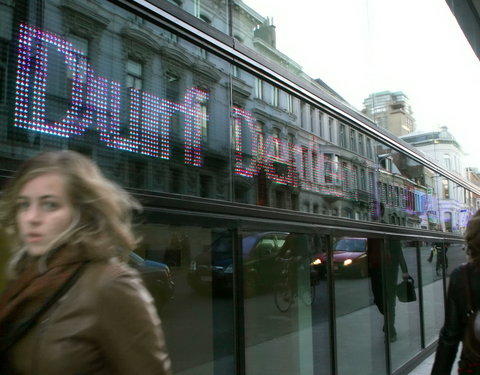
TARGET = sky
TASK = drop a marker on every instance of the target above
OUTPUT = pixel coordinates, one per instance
(359, 47)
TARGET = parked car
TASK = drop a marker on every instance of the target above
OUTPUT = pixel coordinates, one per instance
(212, 269)
(156, 276)
(349, 258)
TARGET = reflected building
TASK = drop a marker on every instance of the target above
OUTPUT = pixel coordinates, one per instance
(224, 133)
(123, 72)
(473, 175)
(453, 206)
(402, 196)
(390, 110)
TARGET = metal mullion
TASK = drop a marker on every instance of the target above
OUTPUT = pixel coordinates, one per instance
(238, 303)
(420, 297)
(332, 301)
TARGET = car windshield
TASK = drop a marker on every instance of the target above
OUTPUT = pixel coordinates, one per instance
(247, 244)
(223, 246)
(356, 245)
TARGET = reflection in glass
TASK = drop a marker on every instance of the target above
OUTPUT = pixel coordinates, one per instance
(454, 254)
(400, 261)
(122, 90)
(433, 290)
(199, 260)
(367, 272)
(359, 323)
(409, 187)
(276, 169)
(212, 13)
(159, 113)
(286, 304)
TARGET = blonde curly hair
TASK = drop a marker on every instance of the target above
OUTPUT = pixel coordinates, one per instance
(102, 224)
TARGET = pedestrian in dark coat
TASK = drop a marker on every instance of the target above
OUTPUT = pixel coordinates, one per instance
(453, 330)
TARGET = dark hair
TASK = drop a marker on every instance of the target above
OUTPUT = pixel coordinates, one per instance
(472, 237)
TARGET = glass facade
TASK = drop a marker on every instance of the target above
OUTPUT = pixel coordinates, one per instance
(195, 310)
(164, 115)
(283, 214)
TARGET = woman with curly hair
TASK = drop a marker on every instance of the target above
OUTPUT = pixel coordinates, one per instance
(464, 287)
(72, 306)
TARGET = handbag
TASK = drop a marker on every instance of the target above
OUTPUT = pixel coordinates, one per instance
(406, 290)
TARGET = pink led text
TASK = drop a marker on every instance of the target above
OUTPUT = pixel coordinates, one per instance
(96, 99)
(95, 102)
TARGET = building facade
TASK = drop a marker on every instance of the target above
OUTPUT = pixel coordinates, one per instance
(473, 176)
(450, 209)
(390, 110)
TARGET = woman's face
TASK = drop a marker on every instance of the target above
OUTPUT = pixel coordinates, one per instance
(44, 212)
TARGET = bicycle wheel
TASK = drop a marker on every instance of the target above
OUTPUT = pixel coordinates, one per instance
(283, 297)
(307, 294)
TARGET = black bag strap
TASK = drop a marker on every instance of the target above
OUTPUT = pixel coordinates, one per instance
(24, 327)
(468, 291)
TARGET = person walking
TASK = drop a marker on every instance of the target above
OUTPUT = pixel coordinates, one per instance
(72, 306)
(384, 265)
(464, 287)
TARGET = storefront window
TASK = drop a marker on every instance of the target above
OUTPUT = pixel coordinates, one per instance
(359, 306)
(200, 298)
(286, 303)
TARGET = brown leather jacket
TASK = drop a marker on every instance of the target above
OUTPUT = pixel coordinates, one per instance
(105, 324)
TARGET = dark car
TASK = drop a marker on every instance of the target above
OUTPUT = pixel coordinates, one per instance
(156, 276)
(212, 269)
(349, 258)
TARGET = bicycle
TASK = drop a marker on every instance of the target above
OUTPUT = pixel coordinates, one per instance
(286, 291)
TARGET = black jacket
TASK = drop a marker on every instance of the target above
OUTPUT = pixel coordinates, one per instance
(455, 317)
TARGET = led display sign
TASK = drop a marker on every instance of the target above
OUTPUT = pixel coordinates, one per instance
(95, 102)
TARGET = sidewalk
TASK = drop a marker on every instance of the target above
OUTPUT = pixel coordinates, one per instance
(426, 366)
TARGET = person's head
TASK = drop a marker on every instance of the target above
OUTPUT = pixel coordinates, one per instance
(472, 237)
(61, 197)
